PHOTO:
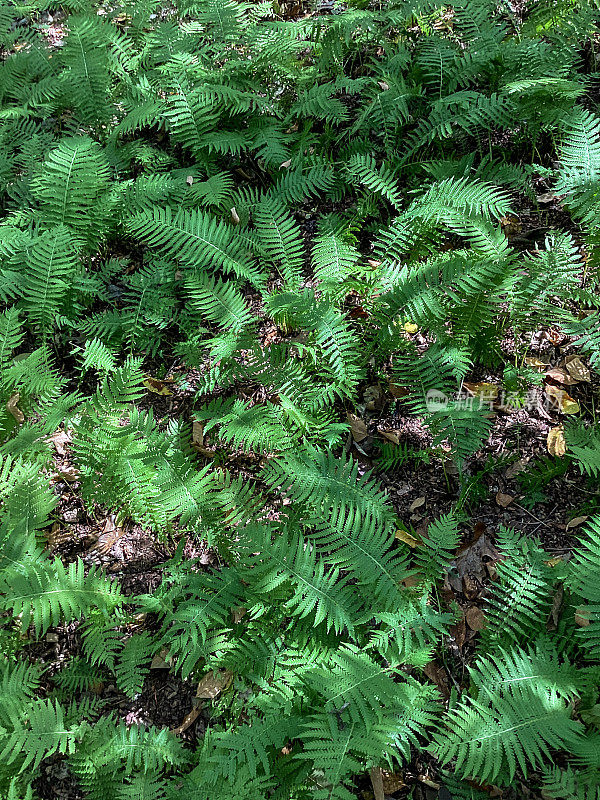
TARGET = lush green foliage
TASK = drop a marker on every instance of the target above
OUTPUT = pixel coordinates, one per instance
(159, 173)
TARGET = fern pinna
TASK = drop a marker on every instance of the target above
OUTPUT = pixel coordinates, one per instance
(219, 226)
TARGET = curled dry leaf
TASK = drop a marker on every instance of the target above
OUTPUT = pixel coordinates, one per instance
(197, 434)
(391, 436)
(475, 618)
(555, 442)
(234, 216)
(561, 376)
(398, 391)
(189, 180)
(536, 364)
(14, 410)
(420, 501)
(213, 683)
(162, 660)
(576, 522)
(577, 369)
(483, 390)
(582, 617)
(563, 401)
(358, 427)
(155, 386)
(504, 500)
(516, 468)
(406, 537)
(59, 440)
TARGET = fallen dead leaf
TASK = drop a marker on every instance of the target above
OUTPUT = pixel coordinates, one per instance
(372, 397)
(536, 364)
(285, 164)
(213, 683)
(482, 390)
(563, 401)
(582, 617)
(577, 369)
(475, 618)
(516, 468)
(417, 503)
(13, 409)
(504, 500)
(554, 615)
(59, 440)
(235, 216)
(561, 376)
(162, 660)
(69, 474)
(397, 391)
(238, 613)
(438, 676)
(576, 522)
(357, 427)
(189, 180)
(155, 386)
(391, 436)
(555, 441)
(197, 434)
(406, 537)
(392, 782)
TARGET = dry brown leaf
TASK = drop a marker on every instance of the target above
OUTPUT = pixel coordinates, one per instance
(555, 442)
(561, 376)
(59, 440)
(197, 434)
(189, 720)
(554, 615)
(285, 164)
(69, 474)
(14, 410)
(577, 369)
(437, 675)
(383, 85)
(563, 401)
(536, 364)
(417, 503)
(546, 197)
(162, 660)
(574, 523)
(475, 618)
(582, 617)
(358, 427)
(213, 683)
(238, 613)
(516, 468)
(398, 391)
(483, 390)
(405, 536)
(372, 397)
(235, 216)
(391, 436)
(155, 386)
(504, 500)
(392, 782)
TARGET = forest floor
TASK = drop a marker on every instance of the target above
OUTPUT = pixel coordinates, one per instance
(497, 489)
